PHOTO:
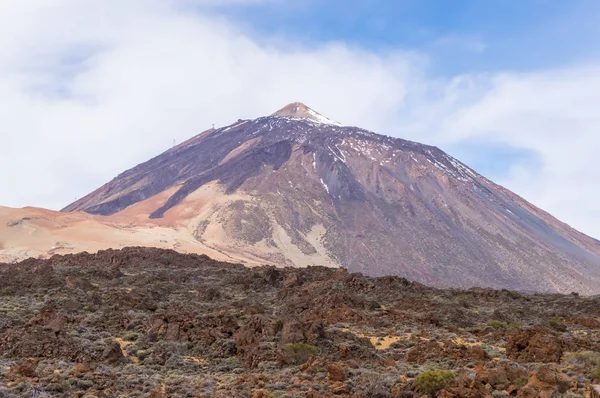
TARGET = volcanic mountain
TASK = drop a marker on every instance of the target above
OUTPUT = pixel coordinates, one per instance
(297, 189)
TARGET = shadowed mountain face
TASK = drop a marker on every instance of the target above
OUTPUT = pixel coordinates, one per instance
(296, 188)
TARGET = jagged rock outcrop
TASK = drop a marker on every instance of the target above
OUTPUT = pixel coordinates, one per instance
(180, 325)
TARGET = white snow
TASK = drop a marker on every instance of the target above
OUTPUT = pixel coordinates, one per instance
(364, 148)
(320, 118)
(458, 171)
(325, 185)
(313, 117)
(233, 126)
(336, 156)
(461, 166)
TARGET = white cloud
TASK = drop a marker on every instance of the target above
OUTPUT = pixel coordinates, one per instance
(152, 73)
(554, 114)
(91, 88)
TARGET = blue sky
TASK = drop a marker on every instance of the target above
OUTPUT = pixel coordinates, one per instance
(509, 87)
(459, 35)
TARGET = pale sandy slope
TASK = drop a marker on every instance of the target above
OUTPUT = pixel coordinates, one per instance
(35, 232)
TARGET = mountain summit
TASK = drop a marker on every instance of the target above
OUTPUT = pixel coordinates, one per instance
(298, 189)
(298, 110)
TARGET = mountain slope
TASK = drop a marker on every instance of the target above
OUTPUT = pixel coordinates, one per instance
(41, 233)
(296, 188)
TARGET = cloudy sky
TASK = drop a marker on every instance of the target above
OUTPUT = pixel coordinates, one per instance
(89, 88)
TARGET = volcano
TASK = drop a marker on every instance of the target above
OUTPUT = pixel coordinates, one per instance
(297, 189)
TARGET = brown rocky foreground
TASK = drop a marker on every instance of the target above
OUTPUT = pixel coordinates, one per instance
(143, 322)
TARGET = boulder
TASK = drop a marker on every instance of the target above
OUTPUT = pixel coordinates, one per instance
(535, 345)
(527, 392)
(112, 353)
(549, 380)
(335, 372)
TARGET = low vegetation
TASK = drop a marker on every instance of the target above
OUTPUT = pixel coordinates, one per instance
(432, 381)
(153, 323)
(596, 374)
(298, 353)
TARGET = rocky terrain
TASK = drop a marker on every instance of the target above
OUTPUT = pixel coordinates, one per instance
(144, 322)
(298, 189)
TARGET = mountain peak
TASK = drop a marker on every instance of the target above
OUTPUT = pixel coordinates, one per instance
(298, 110)
(292, 189)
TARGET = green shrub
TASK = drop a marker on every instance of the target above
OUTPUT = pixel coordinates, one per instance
(557, 324)
(582, 358)
(514, 294)
(521, 381)
(432, 381)
(497, 324)
(515, 325)
(131, 336)
(596, 374)
(298, 353)
(142, 354)
(500, 325)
